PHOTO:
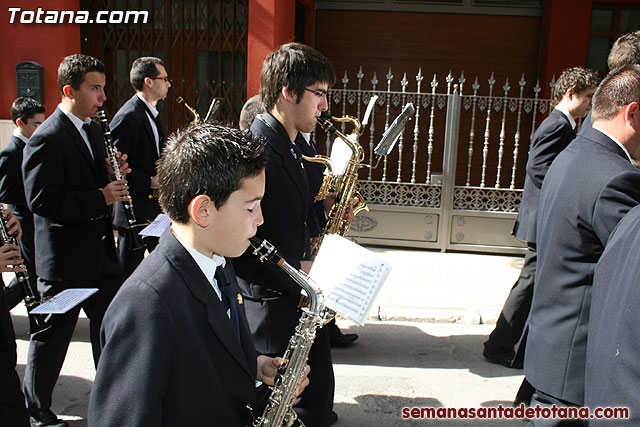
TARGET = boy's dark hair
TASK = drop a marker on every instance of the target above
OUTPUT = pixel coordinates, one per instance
(625, 51)
(294, 66)
(619, 88)
(577, 79)
(144, 67)
(73, 68)
(24, 108)
(249, 111)
(206, 159)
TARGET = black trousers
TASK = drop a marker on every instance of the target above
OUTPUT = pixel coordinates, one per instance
(515, 312)
(131, 259)
(12, 409)
(47, 349)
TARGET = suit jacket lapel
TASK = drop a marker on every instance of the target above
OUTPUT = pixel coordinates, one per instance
(141, 108)
(201, 289)
(282, 146)
(77, 139)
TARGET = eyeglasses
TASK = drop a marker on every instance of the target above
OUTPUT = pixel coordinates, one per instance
(166, 79)
(317, 92)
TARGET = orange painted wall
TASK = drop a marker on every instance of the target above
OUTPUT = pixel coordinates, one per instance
(45, 44)
(271, 23)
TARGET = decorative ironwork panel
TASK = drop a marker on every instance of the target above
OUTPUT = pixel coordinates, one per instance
(400, 194)
(487, 199)
(203, 43)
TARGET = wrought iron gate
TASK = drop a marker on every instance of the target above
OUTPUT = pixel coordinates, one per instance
(455, 180)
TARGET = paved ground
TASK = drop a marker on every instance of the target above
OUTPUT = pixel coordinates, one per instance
(403, 360)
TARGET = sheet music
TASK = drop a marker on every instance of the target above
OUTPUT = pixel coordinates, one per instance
(349, 275)
(340, 156)
(367, 113)
(157, 227)
(64, 301)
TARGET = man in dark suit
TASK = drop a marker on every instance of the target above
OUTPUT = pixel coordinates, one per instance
(27, 114)
(67, 187)
(294, 83)
(173, 352)
(571, 100)
(588, 189)
(612, 375)
(625, 51)
(12, 410)
(138, 131)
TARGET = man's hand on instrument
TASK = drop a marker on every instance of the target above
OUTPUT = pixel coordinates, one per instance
(328, 202)
(155, 183)
(116, 191)
(122, 162)
(10, 260)
(13, 225)
(268, 369)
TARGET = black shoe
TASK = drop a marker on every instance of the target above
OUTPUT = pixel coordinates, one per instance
(343, 340)
(333, 418)
(500, 357)
(46, 418)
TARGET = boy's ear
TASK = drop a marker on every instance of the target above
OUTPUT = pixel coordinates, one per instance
(20, 123)
(199, 210)
(67, 90)
(288, 95)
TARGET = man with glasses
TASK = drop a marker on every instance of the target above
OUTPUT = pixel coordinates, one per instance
(138, 131)
(294, 83)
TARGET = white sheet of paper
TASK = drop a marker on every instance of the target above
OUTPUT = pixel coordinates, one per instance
(340, 156)
(367, 113)
(64, 301)
(349, 275)
(157, 227)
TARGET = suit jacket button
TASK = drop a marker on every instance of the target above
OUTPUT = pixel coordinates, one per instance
(103, 237)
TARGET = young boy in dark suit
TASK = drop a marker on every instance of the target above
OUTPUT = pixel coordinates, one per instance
(177, 349)
(27, 114)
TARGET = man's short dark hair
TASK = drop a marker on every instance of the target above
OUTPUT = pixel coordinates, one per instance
(206, 159)
(619, 88)
(249, 111)
(577, 79)
(24, 108)
(294, 66)
(144, 67)
(73, 68)
(625, 50)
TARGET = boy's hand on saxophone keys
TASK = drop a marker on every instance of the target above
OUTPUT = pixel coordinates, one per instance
(116, 191)
(268, 369)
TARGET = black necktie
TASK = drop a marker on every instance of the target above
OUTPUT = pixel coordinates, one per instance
(228, 298)
(93, 141)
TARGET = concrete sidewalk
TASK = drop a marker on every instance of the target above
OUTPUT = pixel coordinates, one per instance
(445, 287)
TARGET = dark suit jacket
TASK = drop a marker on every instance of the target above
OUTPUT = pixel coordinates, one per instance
(61, 182)
(612, 375)
(132, 135)
(170, 354)
(12, 193)
(588, 189)
(315, 175)
(285, 208)
(552, 136)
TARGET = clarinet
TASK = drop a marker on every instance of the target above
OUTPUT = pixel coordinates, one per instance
(278, 411)
(36, 321)
(133, 237)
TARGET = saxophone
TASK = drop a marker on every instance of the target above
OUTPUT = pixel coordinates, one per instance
(344, 185)
(278, 411)
(194, 113)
